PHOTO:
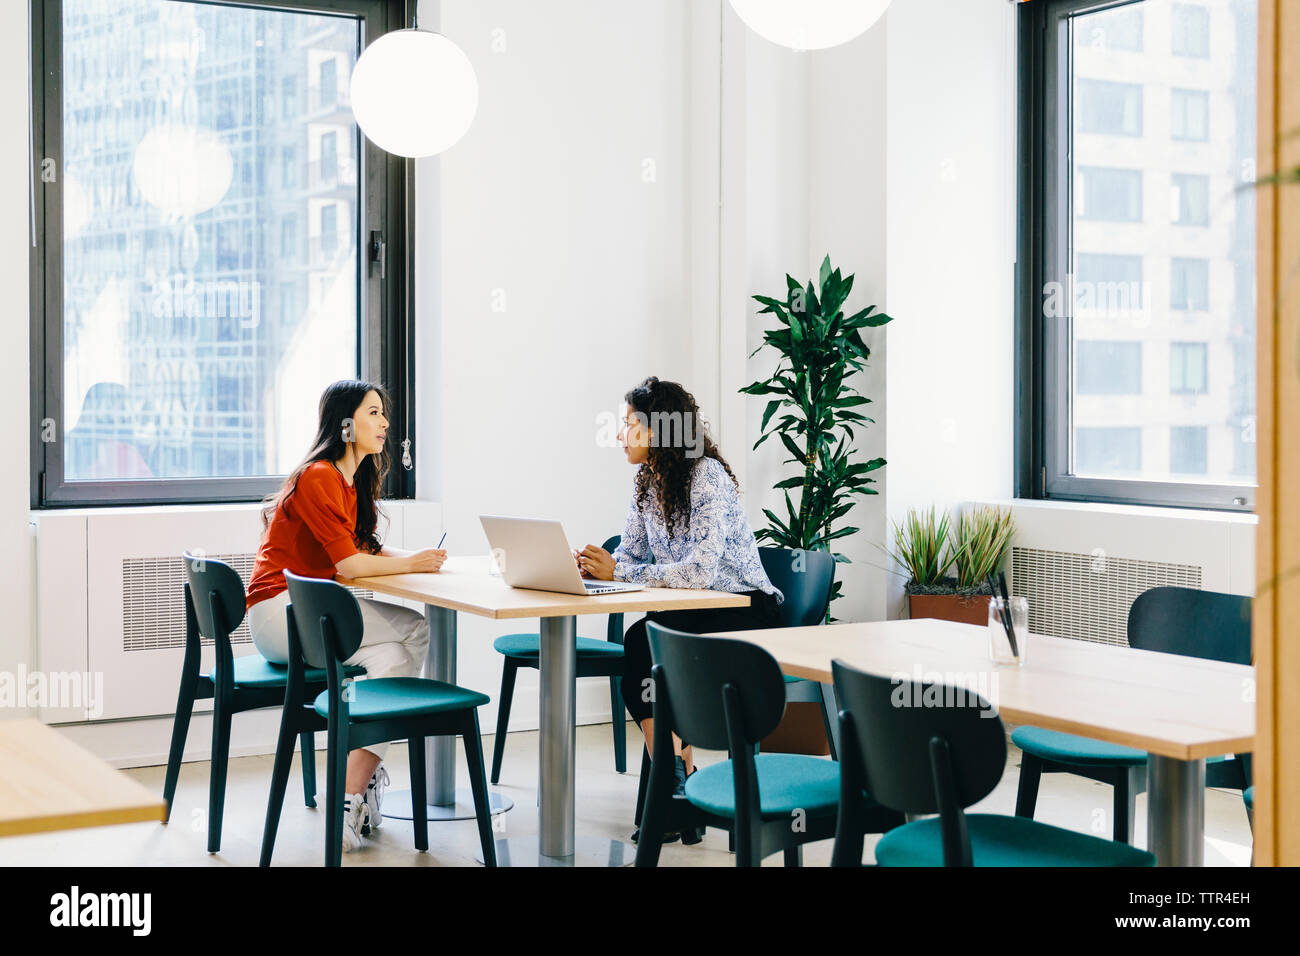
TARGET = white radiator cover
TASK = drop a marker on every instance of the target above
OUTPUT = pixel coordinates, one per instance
(108, 591)
(1081, 566)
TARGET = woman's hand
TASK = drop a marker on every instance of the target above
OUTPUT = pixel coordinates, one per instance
(595, 563)
(426, 561)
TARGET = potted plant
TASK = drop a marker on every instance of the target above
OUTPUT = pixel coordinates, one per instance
(975, 545)
(818, 348)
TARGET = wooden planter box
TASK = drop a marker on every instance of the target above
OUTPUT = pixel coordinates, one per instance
(950, 607)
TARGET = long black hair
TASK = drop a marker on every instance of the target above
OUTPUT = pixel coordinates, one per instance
(338, 403)
(675, 424)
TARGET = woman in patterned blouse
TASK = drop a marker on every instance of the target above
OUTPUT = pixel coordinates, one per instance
(685, 529)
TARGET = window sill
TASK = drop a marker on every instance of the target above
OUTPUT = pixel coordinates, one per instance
(1107, 509)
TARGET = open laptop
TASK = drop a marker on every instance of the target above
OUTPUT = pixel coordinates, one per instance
(537, 555)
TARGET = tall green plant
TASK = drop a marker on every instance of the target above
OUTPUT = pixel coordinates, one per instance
(818, 348)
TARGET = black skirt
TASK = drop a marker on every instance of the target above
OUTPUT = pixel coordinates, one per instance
(762, 612)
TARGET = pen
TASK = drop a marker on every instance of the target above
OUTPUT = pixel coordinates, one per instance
(441, 540)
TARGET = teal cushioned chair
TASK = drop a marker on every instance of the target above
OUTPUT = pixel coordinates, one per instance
(939, 760)
(724, 694)
(805, 580)
(214, 608)
(596, 658)
(1170, 620)
(325, 629)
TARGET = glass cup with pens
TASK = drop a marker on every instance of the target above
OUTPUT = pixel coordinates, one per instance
(1008, 630)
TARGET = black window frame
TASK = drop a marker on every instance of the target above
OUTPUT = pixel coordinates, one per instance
(385, 336)
(1042, 360)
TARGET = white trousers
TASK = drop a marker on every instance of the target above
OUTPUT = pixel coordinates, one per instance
(394, 642)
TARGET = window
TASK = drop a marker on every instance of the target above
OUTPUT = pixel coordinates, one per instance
(1187, 450)
(1191, 30)
(329, 158)
(1114, 277)
(1189, 284)
(1108, 283)
(1108, 451)
(1109, 368)
(1113, 109)
(1189, 199)
(1112, 194)
(289, 167)
(289, 237)
(329, 82)
(1188, 368)
(1189, 115)
(171, 311)
(289, 97)
(329, 229)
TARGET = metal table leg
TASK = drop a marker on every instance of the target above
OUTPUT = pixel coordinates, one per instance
(445, 801)
(1176, 810)
(559, 730)
(555, 844)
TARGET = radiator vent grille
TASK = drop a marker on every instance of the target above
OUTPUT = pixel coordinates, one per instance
(153, 601)
(1088, 596)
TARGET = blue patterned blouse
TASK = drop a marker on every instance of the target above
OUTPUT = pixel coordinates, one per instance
(718, 550)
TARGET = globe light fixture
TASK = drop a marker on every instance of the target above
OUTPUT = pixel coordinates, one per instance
(183, 170)
(414, 93)
(809, 24)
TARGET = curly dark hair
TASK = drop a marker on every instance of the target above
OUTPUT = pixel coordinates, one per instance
(676, 429)
(338, 404)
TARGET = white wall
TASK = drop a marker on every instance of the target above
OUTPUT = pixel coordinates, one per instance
(950, 232)
(564, 275)
(16, 641)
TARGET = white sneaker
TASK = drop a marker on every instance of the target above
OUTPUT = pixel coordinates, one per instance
(374, 797)
(354, 818)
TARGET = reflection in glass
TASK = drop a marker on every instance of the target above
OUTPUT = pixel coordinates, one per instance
(198, 324)
(1162, 241)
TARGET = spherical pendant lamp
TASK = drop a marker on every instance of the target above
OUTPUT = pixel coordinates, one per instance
(809, 24)
(414, 93)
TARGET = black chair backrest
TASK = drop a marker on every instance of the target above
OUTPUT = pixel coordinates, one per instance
(696, 669)
(804, 579)
(327, 617)
(614, 627)
(215, 589)
(894, 728)
(1193, 623)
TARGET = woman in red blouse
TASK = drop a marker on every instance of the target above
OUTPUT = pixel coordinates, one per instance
(322, 522)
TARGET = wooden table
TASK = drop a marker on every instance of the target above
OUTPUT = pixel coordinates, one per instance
(1178, 709)
(465, 584)
(49, 783)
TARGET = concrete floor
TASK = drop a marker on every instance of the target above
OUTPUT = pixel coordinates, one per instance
(605, 803)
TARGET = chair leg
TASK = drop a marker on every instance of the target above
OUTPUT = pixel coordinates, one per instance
(308, 746)
(180, 730)
(503, 716)
(1031, 770)
(620, 724)
(482, 808)
(217, 778)
(419, 799)
(279, 783)
(829, 723)
(654, 814)
(641, 787)
(337, 772)
(794, 856)
(1125, 808)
